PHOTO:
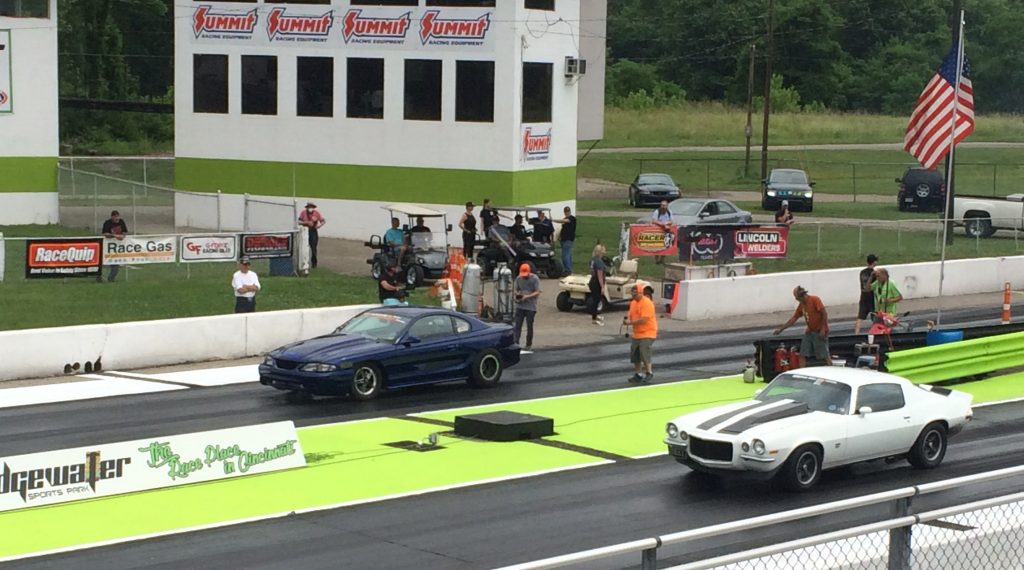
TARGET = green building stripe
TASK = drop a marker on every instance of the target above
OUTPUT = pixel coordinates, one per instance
(375, 183)
(28, 174)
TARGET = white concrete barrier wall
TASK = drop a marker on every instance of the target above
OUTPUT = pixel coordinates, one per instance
(735, 296)
(38, 353)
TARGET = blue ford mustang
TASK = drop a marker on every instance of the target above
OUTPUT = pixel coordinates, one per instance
(393, 347)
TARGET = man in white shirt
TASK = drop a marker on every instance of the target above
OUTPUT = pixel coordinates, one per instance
(662, 217)
(246, 284)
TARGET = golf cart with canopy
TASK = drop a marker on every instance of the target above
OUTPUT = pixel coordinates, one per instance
(504, 245)
(424, 254)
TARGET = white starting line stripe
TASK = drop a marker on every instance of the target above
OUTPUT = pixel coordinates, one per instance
(72, 391)
(206, 377)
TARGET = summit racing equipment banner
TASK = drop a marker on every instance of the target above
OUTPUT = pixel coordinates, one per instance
(140, 250)
(6, 100)
(536, 144)
(215, 247)
(372, 27)
(72, 257)
(727, 242)
(266, 246)
(649, 239)
(141, 465)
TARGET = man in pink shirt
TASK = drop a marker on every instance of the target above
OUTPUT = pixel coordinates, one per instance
(311, 219)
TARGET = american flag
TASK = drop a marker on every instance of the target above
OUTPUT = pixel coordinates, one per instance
(928, 131)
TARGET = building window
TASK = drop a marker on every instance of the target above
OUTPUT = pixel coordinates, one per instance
(474, 91)
(365, 88)
(385, 2)
(25, 8)
(209, 83)
(315, 94)
(462, 3)
(540, 5)
(259, 85)
(423, 89)
(537, 92)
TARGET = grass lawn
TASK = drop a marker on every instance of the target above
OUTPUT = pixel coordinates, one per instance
(158, 291)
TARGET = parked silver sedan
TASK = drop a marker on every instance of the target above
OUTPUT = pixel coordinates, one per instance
(694, 211)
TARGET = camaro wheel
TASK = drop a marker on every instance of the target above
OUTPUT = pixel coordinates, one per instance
(486, 368)
(930, 447)
(564, 302)
(803, 468)
(367, 381)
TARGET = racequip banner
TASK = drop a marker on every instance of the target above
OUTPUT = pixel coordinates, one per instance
(728, 242)
(649, 239)
(139, 250)
(372, 27)
(68, 475)
(6, 97)
(266, 246)
(70, 257)
(213, 247)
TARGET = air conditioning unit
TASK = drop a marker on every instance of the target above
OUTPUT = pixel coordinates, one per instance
(575, 67)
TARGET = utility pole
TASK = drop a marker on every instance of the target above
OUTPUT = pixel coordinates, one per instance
(749, 131)
(767, 94)
(951, 176)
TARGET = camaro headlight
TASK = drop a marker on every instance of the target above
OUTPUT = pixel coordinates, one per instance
(745, 447)
(758, 446)
(683, 435)
(318, 367)
(672, 430)
(268, 360)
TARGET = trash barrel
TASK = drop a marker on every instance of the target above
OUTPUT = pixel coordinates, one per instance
(943, 337)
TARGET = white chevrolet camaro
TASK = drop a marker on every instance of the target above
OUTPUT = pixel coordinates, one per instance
(812, 419)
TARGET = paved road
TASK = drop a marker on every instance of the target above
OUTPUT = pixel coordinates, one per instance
(776, 148)
(485, 526)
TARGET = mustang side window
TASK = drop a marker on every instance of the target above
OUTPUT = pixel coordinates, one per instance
(880, 397)
(462, 326)
(433, 326)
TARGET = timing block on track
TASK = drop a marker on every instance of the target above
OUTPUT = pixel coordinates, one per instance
(504, 426)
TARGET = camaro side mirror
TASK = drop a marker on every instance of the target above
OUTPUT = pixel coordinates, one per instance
(864, 410)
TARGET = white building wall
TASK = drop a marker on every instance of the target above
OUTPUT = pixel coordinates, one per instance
(31, 129)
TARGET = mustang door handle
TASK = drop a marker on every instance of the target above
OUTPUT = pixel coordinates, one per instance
(452, 347)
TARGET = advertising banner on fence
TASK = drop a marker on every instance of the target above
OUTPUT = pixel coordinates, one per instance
(69, 257)
(140, 249)
(141, 465)
(649, 239)
(266, 246)
(6, 98)
(213, 247)
(727, 242)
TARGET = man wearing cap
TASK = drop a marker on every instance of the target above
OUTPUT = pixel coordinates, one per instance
(246, 284)
(815, 341)
(645, 330)
(114, 228)
(311, 219)
(526, 289)
(867, 294)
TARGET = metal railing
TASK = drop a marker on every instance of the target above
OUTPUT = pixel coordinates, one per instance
(899, 551)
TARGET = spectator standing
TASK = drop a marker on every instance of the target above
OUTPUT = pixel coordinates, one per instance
(783, 216)
(566, 236)
(644, 321)
(312, 220)
(543, 228)
(887, 296)
(488, 217)
(662, 217)
(113, 228)
(815, 340)
(467, 223)
(246, 284)
(526, 289)
(598, 288)
(866, 305)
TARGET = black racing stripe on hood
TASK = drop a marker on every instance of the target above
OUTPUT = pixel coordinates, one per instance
(778, 413)
(727, 415)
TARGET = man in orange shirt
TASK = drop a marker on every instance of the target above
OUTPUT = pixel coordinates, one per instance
(645, 330)
(815, 339)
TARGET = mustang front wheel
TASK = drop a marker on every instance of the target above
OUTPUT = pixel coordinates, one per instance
(930, 447)
(367, 381)
(803, 468)
(486, 368)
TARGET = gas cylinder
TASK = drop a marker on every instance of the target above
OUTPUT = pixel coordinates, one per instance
(781, 363)
(472, 288)
(794, 357)
(503, 306)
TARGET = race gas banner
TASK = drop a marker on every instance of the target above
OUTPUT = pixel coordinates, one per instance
(372, 27)
(139, 250)
(649, 239)
(728, 242)
(266, 246)
(536, 147)
(130, 466)
(214, 247)
(72, 257)
(6, 100)
(766, 242)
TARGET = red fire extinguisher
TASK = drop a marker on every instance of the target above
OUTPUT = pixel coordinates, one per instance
(781, 359)
(794, 357)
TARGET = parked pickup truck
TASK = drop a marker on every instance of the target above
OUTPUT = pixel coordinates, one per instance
(983, 216)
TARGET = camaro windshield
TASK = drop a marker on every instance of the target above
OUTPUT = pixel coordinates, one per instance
(789, 177)
(382, 327)
(819, 394)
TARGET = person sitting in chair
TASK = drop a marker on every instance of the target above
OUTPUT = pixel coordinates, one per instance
(394, 239)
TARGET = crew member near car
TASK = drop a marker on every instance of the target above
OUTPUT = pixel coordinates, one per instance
(567, 236)
(866, 305)
(645, 330)
(312, 220)
(114, 228)
(887, 296)
(389, 286)
(526, 289)
(246, 284)
(598, 288)
(467, 223)
(815, 340)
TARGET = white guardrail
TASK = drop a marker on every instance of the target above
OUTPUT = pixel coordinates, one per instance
(898, 526)
(36, 353)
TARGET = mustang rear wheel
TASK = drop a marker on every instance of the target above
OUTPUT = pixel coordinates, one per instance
(803, 468)
(486, 368)
(367, 381)
(930, 447)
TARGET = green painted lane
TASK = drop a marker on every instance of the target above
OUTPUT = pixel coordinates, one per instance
(994, 389)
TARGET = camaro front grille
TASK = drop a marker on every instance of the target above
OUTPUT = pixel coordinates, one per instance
(712, 450)
(286, 364)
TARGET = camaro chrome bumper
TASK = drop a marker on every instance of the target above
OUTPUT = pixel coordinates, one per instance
(746, 464)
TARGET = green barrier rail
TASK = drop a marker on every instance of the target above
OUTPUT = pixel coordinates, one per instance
(958, 359)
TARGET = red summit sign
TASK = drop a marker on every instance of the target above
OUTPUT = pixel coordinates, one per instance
(210, 24)
(366, 29)
(536, 146)
(454, 31)
(281, 26)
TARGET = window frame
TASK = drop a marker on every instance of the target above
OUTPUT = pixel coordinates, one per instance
(885, 385)
(350, 104)
(226, 84)
(435, 114)
(276, 86)
(527, 112)
(20, 14)
(466, 90)
(329, 84)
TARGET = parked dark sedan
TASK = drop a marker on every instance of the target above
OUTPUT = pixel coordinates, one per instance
(787, 184)
(651, 189)
(393, 347)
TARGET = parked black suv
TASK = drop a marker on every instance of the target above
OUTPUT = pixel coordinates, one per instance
(921, 189)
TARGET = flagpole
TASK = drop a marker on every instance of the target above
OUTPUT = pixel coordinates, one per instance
(952, 164)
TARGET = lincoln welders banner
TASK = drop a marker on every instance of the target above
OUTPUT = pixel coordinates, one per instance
(67, 257)
(130, 466)
(728, 242)
(649, 239)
